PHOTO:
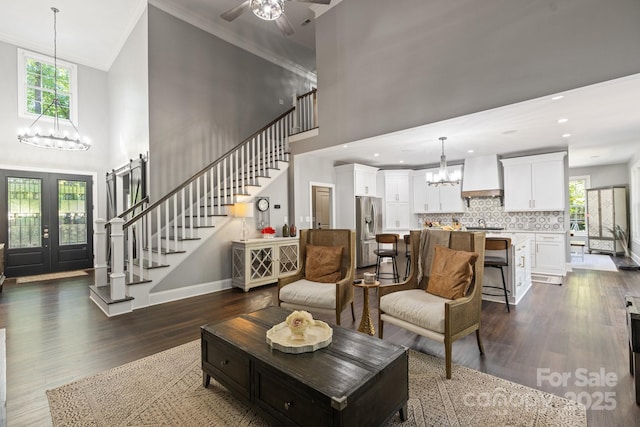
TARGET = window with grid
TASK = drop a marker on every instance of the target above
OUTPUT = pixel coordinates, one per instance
(578, 204)
(36, 77)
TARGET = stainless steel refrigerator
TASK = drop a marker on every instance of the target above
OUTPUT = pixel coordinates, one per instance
(368, 224)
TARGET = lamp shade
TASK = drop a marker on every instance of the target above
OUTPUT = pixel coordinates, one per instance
(243, 210)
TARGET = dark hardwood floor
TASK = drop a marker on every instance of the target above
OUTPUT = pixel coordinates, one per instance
(55, 334)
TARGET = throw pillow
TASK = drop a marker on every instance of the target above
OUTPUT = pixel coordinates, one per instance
(322, 263)
(451, 272)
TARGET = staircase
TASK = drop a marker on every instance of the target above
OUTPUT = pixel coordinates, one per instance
(149, 241)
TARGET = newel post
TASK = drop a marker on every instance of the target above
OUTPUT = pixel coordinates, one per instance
(117, 259)
(100, 253)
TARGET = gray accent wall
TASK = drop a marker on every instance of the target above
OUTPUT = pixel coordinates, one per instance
(205, 96)
(386, 66)
(603, 176)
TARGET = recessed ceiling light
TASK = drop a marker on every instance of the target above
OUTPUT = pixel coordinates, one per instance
(470, 151)
(345, 146)
(376, 154)
(566, 135)
(401, 161)
(563, 120)
(555, 98)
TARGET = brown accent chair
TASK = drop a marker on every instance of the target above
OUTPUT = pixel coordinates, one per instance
(297, 293)
(439, 319)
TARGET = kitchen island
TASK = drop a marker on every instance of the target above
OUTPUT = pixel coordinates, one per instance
(517, 274)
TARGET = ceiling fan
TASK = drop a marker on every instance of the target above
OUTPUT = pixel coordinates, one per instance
(269, 10)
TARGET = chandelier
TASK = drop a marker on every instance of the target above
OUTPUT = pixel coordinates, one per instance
(268, 10)
(443, 177)
(54, 138)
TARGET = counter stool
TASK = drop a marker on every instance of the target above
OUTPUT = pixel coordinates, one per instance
(498, 244)
(407, 248)
(387, 253)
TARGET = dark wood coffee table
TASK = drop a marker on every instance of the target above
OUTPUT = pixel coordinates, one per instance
(358, 380)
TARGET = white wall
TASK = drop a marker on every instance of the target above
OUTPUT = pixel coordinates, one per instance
(129, 98)
(603, 176)
(93, 121)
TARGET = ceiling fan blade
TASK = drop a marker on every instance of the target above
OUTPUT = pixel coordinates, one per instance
(232, 14)
(284, 25)
(313, 1)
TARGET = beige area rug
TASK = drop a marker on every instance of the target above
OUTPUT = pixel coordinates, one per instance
(51, 276)
(166, 389)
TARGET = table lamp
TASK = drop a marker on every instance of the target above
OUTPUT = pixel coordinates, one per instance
(243, 210)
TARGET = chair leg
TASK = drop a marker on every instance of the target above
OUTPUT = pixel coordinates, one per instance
(378, 268)
(396, 275)
(480, 346)
(353, 313)
(504, 286)
(380, 327)
(447, 356)
(407, 269)
(337, 317)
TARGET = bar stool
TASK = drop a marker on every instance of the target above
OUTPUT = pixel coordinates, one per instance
(498, 244)
(392, 253)
(407, 248)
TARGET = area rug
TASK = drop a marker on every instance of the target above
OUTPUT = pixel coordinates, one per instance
(51, 276)
(594, 262)
(166, 389)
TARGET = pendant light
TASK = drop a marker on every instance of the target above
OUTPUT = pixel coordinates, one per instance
(54, 138)
(443, 177)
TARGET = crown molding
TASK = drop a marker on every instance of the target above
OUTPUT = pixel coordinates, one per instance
(210, 27)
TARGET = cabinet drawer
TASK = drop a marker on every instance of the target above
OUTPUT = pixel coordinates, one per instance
(549, 237)
(228, 366)
(288, 402)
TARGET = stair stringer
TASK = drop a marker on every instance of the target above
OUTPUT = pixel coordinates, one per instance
(181, 278)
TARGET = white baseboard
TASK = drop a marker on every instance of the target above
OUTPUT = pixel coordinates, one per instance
(188, 291)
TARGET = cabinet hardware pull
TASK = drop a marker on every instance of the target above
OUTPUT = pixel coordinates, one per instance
(287, 405)
(224, 362)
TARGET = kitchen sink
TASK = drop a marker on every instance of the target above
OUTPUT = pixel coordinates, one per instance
(485, 228)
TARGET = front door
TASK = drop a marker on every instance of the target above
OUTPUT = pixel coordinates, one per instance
(46, 222)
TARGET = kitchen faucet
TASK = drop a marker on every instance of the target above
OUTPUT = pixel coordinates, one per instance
(481, 222)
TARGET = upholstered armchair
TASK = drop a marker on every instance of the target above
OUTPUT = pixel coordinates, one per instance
(422, 309)
(323, 283)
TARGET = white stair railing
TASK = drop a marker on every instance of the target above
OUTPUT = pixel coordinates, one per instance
(159, 228)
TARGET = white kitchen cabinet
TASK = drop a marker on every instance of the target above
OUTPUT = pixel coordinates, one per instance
(535, 183)
(396, 186)
(365, 180)
(438, 199)
(517, 275)
(550, 253)
(257, 262)
(397, 216)
(419, 200)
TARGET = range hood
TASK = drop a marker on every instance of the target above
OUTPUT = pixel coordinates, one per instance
(482, 178)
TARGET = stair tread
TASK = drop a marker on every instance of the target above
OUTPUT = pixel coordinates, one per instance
(104, 292)
(147, 266)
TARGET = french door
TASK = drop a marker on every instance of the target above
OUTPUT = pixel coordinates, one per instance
(46, 222)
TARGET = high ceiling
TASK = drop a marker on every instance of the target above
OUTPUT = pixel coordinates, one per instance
(603, 119)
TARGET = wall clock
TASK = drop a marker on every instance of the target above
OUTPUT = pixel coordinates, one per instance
(262, 204)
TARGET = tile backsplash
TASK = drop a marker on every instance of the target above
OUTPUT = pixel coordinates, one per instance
(494, 215)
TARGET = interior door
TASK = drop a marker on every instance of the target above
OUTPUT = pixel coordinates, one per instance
(322, 207)
(46, 222)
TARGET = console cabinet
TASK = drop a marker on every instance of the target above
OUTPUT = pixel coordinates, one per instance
(606, 210)
(257, 262)
(534, 183)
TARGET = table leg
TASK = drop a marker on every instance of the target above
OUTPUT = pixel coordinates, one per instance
(206, 379)
(366, 324)
(403, 412)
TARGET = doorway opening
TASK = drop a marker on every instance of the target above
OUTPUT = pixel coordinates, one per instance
(322, 205)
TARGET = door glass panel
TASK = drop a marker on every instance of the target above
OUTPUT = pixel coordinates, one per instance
(72, 212)
(24, 212)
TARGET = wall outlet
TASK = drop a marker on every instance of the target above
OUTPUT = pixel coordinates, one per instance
(280, 101)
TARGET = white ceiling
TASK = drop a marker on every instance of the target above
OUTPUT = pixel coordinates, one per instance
(604, 119)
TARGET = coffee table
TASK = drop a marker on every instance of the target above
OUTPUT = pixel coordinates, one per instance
(357, 380)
